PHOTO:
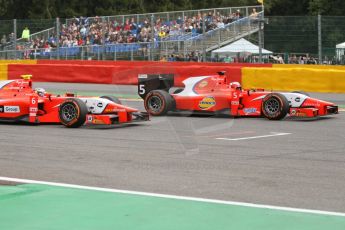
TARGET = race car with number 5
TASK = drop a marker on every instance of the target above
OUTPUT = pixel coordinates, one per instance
(19, 102)
(214, 94)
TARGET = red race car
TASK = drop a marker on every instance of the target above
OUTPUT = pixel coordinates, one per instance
(19, 102)
(215, 94)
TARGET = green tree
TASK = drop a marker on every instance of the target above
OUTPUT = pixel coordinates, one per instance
(4, 5)
(34, 9)
(42, 9)
(327, 7)
(287, 7)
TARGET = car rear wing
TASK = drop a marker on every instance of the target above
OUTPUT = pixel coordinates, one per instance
(149, 82)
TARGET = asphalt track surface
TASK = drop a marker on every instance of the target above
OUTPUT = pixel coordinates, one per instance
(181, 155)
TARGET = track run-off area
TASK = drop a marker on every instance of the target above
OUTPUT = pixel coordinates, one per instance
(174, 172)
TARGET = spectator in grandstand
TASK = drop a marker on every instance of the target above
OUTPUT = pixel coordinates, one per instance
(46, 47)
(254, 14)
(227, 59)
(11, 37)
(52, 41)
(98, 31)
(311, 61)
(238, 15)
(280, 60)
(3, 41)
(83, 32)
(220, 23)
(26, 34)
(161, 34)
(293, 60)
(163, 58)
(171, 58)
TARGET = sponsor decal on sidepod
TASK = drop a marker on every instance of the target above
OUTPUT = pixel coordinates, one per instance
(9, 109)
(249, 110)
(207, 103)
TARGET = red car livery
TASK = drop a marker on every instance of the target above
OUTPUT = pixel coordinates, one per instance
(214, 94)
(19, 102)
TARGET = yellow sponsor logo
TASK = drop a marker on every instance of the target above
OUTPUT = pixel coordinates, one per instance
(207, 103)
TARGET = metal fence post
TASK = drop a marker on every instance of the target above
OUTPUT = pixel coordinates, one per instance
(260, 39)
(153, 38)
(15, 37)
(103, 37)
(58, 38)
(81, 52)
(319, 38)
(219, 38)
(132, 53)
(203, 39)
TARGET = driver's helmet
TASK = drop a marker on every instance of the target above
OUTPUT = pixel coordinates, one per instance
(40, 91)
(235, 85)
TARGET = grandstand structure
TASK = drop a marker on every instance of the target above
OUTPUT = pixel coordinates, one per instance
(164, 35)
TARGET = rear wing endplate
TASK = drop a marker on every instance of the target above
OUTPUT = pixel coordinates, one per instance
(149, 82)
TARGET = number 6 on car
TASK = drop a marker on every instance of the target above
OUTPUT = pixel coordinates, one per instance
(19, 102)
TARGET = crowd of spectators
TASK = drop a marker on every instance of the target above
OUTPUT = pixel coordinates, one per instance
(6, 40)
(101, 30)
(194, 56)
(81, 31)
(302, 59)
(107, 30)
(84, 31)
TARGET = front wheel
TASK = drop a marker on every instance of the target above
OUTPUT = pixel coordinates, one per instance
(72, 113)
(158, 102)
(275, 106)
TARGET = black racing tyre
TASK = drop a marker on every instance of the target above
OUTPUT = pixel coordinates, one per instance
(158, 102)
(112, 98)
(301, 92)
(72, 113)
(275, 106)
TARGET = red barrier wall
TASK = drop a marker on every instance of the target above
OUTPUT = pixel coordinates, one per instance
(64, 73)
(120, 72)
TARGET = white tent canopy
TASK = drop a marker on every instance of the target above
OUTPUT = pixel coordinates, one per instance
(240, 46)
(341, 46)
(340, 51)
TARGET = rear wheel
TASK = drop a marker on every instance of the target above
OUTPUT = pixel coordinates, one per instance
(158, 102)
(275, 106)
(112, 98)
(72, 113)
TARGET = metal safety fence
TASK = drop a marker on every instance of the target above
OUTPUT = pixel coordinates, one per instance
(297, 39)
(191, 47)
(306, 39)
(56, 30)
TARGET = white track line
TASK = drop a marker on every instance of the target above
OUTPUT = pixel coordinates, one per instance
(174, 197)
(253, 137)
